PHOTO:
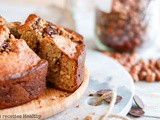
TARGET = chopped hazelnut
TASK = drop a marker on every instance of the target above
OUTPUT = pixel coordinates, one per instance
(136, 68)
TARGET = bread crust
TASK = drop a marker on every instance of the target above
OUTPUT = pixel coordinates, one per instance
(23, 87)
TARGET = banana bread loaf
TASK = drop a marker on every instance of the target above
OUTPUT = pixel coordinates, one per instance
(64, 50)
(22, 72)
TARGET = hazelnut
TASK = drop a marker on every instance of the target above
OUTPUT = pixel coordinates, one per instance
(134, 55)
(143, 62)
(152, 67)
(121, 23)
(127, 64)
(136, 68)
(152, 61)
(117, 55)
(145, 67)
(115, 39)
(119, 32)
(131, 59)
(128, 27)
(142, 75)
(150, 76)
(137, 41)
(125, 38)
(121, 61)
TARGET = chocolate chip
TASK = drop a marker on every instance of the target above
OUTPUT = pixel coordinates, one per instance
(91, 94)
(5, 46)
(51, 30)
(49, 84)
(118, 99)
(136, 112)
(7, 40)
(138, 101)
(36, 24)
(101, 92)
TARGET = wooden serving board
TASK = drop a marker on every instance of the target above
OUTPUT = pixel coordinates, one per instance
(50, 103)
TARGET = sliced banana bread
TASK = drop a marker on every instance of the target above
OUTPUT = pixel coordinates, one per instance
(64, 50)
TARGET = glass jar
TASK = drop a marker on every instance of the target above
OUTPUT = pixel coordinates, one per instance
(128, 25)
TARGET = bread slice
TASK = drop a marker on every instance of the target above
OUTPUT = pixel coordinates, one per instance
(22, 72)
(64, 50)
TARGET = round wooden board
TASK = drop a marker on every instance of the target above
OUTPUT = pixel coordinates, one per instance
(50, 103)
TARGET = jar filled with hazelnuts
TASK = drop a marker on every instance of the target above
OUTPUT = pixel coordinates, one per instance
(127, 26)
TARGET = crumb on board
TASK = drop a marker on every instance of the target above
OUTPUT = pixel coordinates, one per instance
(88, 117)
(90, 94)
(40, 106)
(93, 113)
(77, 106)
(39, 102)
(66, 94)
